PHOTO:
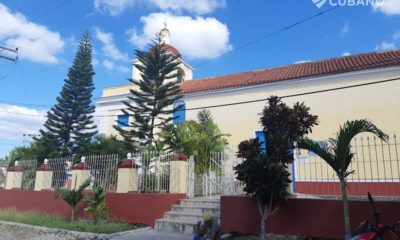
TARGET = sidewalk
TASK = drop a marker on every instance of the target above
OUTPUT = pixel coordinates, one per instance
(151, 234)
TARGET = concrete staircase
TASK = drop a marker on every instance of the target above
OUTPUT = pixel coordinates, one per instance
(184, 216)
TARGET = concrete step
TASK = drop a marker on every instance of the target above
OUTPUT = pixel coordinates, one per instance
(212, 203)
(191, 217)
(184, 217)
(173, 225)
(196, 210)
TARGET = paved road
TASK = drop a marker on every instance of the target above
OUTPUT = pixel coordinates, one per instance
(13, 232)
(150, 234)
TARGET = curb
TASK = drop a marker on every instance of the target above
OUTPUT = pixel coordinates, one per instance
(74, 233)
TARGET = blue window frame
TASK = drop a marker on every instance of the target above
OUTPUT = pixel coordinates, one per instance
(180, 115)
(323, 144)
(261, 138)
(123, 120)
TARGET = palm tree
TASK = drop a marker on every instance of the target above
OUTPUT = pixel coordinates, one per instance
(209, 139)
(73, 197)
(339, 155)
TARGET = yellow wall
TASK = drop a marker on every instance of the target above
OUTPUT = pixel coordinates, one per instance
(379, 103)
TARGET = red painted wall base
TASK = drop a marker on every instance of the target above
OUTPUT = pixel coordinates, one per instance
(302, 217)
(124, 207)
(354, 188)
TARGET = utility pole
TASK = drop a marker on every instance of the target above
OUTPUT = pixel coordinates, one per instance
(9, 50)
(28, 139)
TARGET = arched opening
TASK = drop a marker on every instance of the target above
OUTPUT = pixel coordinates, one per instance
(181, 75)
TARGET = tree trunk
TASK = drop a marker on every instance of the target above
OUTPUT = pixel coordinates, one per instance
(264, 216)
(345, 210)
(72, 214)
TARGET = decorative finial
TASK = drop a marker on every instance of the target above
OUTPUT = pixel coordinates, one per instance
(129, 155)
(83, 159)
(46, 161)
(16, 163)
(165, 23)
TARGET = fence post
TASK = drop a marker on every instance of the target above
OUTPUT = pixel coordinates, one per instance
(128, 176)
(178, 173)
(80, 173)
(44, 176)
(14, 177)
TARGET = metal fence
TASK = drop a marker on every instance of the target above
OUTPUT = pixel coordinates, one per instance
(219, 178)
(28, 173)
(3, 173)
(375, 165)
(154, 171)
(103, 171)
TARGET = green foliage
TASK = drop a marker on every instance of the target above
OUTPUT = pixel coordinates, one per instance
(97, 204)
(37, 150)
(266, 182)
(283, 126)
(69, 127)
(339, 154)
(152, 96)
(196, 138)
(73, 196)
(264, 171)
(102, 145)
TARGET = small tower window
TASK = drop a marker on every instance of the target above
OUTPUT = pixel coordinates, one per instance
(181, 75)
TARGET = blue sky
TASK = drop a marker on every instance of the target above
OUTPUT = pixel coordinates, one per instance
(47, 32)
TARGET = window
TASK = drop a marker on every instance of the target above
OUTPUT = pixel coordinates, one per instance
(180, 115)
(261, 138)
(181, 75)
(123, 120)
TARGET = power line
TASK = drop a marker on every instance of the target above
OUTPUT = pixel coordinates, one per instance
(30, 12)
(367, 65)
(40, 16)
(253, 101)
(268, 35)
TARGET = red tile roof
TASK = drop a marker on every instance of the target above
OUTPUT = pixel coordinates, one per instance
(309, 69)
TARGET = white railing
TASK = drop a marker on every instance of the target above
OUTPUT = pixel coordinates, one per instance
(103, 171)
(220, 177)
(154, 171)
(3, 173)
(376, 165)
(28, 174)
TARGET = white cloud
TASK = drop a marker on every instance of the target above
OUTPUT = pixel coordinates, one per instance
(35, 41)
(193, 6)
(388, 7)
(13, 122)
(345, 29)
(302, 61)
(116, 7)
(95, 62)
(124, 69)
(201, 38)
(396, 36)
(108, 64)
(385, 46)
(109, 49)
(346, 54)
(113, 7)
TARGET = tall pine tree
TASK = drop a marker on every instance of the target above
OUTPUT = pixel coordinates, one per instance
(69, 126)
(151, 100)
